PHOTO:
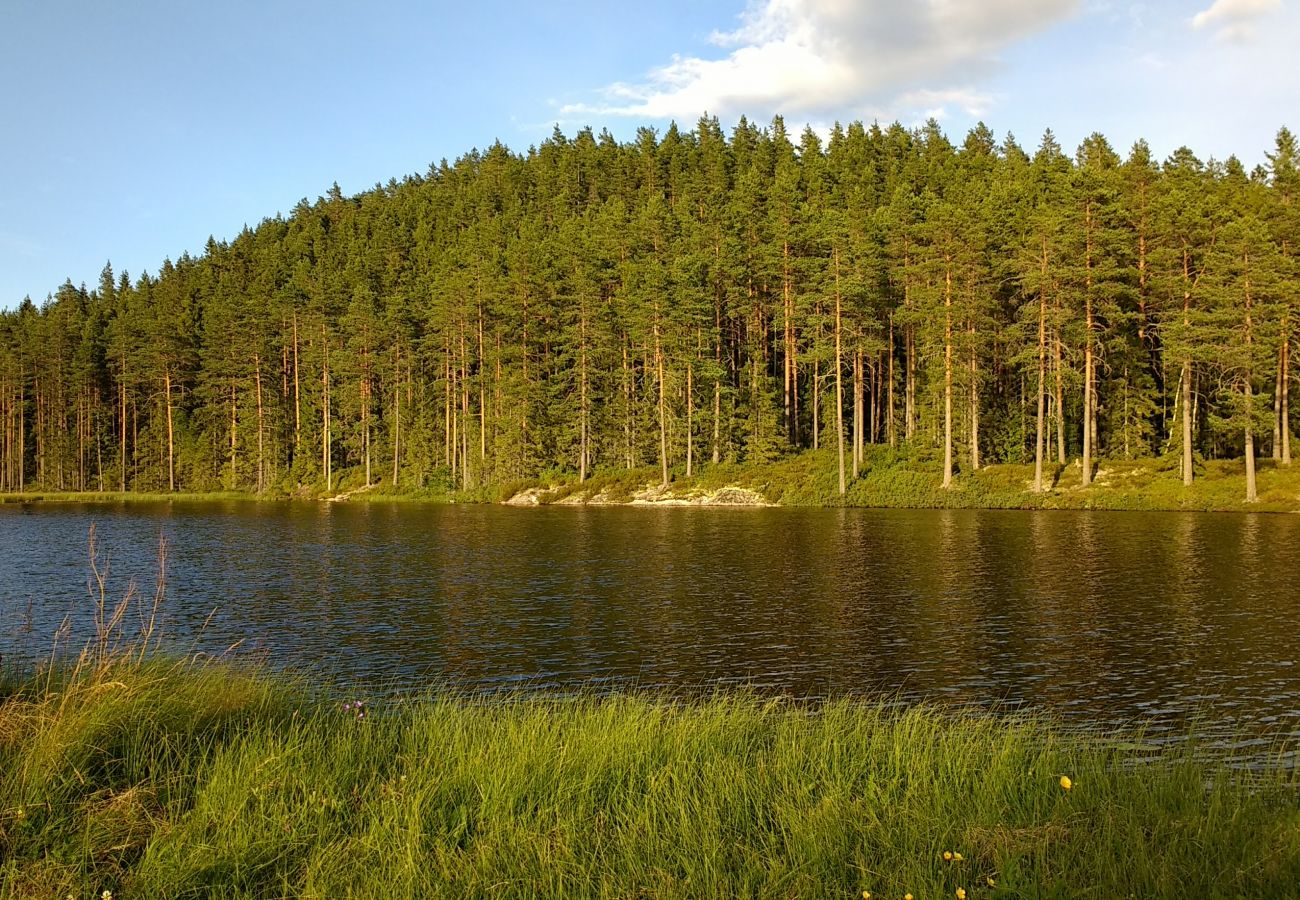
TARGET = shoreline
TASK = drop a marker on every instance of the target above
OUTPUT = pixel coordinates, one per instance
(888, 481)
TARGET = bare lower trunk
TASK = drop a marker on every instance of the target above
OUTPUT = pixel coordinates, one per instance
(582, 398)
(663, 417)
(325, 411)
(1252, 494)
(1286, 400)
(171, 436)
(122, 449)
(397, 409)
(297, 392)
(1042, 380)
(974, 404)
(889, 423)
(261, 439)
(1060, 404)
(690, 410)
(717, 421)
(1277, 404)
(1088, 424)
(909, 388)
(947, 380)
(857, 412)
(839, 386)
(1186, 390)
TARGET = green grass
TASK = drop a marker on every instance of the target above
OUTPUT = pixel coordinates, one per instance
(889, 478)
(164, 779)
(911, 479)
(121, 497)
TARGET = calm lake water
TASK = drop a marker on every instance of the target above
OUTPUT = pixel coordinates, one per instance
(1100, 618)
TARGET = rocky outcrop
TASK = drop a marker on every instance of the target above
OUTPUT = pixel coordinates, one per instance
(649, 496)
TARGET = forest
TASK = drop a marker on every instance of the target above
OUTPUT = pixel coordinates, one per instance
(681, 300)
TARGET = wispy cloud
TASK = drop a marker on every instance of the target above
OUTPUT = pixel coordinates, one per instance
(19, 245)
(1234, 20)
(812, 57)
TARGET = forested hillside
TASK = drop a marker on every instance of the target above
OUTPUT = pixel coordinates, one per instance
(682, 300)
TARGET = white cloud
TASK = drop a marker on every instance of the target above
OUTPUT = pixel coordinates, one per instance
(819, 56)
(1234, 20)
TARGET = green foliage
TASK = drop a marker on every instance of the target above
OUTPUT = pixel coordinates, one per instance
(588, 306)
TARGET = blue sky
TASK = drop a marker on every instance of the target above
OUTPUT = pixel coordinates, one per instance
(134, 130)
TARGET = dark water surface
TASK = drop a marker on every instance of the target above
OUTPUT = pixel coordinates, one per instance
(1106, 618)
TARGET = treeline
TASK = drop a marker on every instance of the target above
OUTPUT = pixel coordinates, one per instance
(682, 300)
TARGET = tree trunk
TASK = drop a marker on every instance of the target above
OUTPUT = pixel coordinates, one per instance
(122, 449)
(171, 440)
(1088, 424)
(1185, 382)
(974, 404)
(297, 392)
(397, 410)
(791, 361)
(690, 421)
(261, 442)
(1286, 399)
(717, 418)
(1060, 398)
(857, 412)
(909, 359)
(582, 395)
(482, 394)
(466, 477)
(1252, 494)
(947, 373)
(1283, 425)
(1185, 387)
(325, 411)
(839, 387)
(1277, 400)
(889, 424)
(365, 406)
(816, 390)
(1042, 376)
(234, 435)
(663, 418)
(448, 422)
(627, 405)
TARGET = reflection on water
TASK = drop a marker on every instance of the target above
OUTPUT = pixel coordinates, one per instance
(1099, 617)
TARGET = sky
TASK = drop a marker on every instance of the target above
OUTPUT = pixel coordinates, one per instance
(132, 131)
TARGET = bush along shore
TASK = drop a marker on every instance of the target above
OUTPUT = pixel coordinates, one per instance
(888, 478)
(150, 778)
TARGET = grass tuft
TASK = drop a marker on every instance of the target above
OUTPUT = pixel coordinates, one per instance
(156, 778)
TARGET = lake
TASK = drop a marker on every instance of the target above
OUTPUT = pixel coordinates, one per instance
(1107, 619)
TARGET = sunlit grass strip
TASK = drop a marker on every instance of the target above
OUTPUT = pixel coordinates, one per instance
(122, 496)
(170, 780)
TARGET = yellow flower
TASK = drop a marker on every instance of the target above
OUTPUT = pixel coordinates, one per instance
(866, 895)
(956, 857)
(947, 856)
(107, 895)
(907, 897)
(991, 882)
(961, 893)
(1066, 783)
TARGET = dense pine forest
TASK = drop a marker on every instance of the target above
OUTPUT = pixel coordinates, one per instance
(682, 300)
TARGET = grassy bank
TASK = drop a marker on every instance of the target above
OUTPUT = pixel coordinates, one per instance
(171, 780)
(120, 496)
(905, 479)
(910, 480)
